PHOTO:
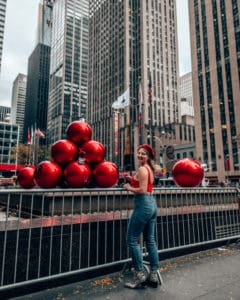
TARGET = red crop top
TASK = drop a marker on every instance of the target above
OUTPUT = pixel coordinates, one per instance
(135, 183)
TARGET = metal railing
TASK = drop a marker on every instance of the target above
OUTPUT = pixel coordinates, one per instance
(58, 232)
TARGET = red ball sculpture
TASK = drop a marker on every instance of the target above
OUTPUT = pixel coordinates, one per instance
(106, 174)
(64, 151)
(93, 152)
(187, 172)
(79, 132)
(77, 175)
(48, 174)
(26, 177)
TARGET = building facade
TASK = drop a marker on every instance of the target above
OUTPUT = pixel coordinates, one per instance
(8, 140)
(44, 24)
(186, 95)
(37, 90)
(18, 103)
(3, 4)
(175, 141)
(215, 46)
(132, 45)
(5, 113)
(38, 74)
(69, 66)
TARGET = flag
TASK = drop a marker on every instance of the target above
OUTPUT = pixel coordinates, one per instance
(140, 100)
(39, 133)
(149, 89)
(140, 112)
(122, 101)
(29, 137)
(227, 164)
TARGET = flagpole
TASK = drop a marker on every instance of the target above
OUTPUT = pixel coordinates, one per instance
(122, 102)
(29, 145)
(16, 157)
(140, 113)
(150, 110)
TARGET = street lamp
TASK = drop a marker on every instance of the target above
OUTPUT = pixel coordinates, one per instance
(161, 148)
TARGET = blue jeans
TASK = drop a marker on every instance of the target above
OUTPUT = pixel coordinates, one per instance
(143, 220)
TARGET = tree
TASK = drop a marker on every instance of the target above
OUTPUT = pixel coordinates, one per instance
(20, 152)
(30, 154)
(43, 153)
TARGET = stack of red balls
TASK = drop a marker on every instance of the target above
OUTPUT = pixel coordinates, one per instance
(77, 162)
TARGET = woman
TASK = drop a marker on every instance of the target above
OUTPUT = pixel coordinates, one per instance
(143, 219)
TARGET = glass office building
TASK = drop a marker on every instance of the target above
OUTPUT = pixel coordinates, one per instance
(8, 139)
(68, 67)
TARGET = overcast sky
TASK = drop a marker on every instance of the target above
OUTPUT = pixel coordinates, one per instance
(19, 42)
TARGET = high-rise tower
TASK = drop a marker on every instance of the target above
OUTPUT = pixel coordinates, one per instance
(69, 66)
(186, 95)
(132, 44)
(3, 4)
(44, 26)
(215, 44)
(38, 73)
(18, 103)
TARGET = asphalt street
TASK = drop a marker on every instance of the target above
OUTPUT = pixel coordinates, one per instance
(211, 274)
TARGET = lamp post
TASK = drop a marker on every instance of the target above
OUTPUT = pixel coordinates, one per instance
(16, 156)
(166, 155)
(161, 148)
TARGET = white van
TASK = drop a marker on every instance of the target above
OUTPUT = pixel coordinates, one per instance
(205, 182)
(205, 167)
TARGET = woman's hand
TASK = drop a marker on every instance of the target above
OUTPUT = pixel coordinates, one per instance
(127, 186)
(127, 179)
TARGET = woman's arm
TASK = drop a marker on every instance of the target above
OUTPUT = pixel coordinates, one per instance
(157, 169)
(142, 175)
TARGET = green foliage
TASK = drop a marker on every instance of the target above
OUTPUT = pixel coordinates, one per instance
(30, 154)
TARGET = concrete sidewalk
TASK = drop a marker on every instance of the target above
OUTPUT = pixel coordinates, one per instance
(211, 274)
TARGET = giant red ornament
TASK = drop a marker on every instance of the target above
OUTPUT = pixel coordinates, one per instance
(187, 172)
(93, 152)
(79, 132)
(48, 174)
(106, 174)
(26, 177)
(77, 175)
(64, 151)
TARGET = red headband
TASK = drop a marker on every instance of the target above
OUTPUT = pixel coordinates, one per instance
(149, 149)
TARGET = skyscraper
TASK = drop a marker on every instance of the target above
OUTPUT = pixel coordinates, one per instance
(132, 44)
(186, 95)
(18, 103)
(37, 89)
(44, 25)
(3, 4)
(38, 74)
(69, 66)
(215, 44)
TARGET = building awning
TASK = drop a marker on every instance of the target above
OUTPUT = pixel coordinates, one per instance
(10, 167)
